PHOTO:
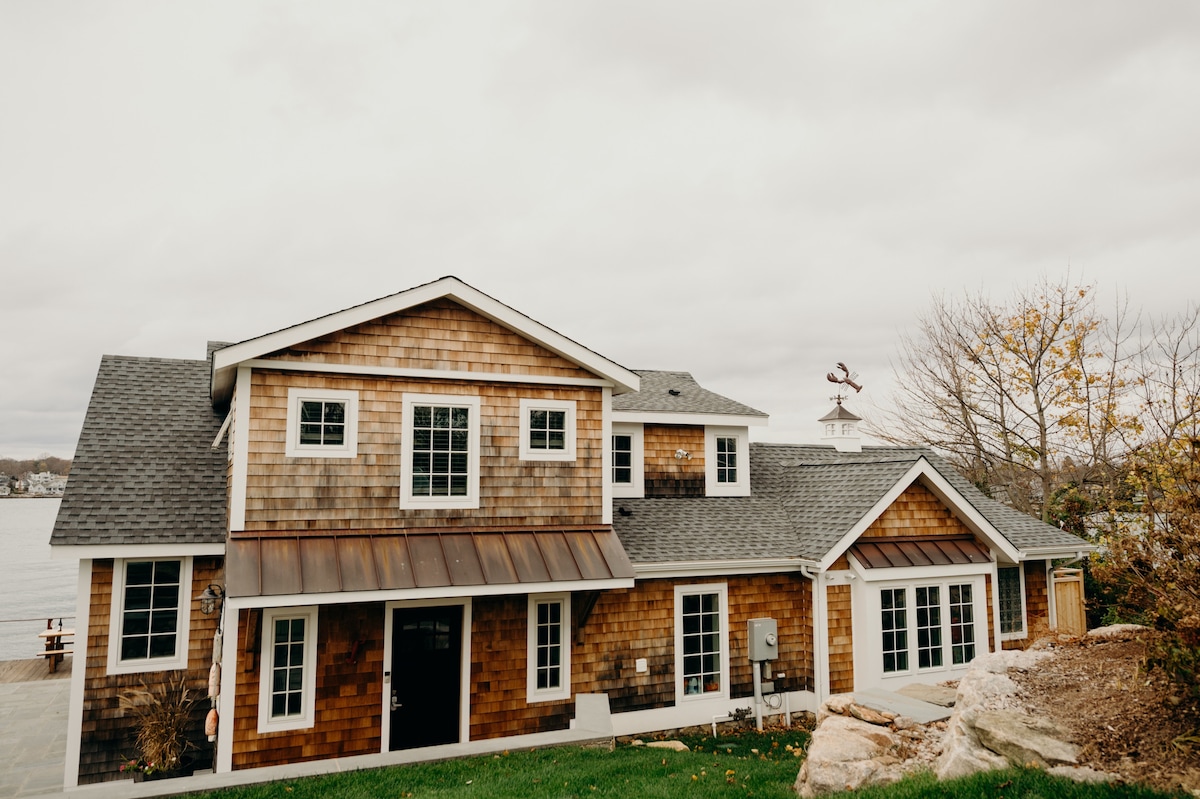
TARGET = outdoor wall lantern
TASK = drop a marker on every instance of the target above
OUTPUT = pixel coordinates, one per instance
(210, 598)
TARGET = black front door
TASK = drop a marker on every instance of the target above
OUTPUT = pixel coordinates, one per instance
(426, 676)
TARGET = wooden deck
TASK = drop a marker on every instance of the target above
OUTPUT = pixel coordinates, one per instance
(34, 670)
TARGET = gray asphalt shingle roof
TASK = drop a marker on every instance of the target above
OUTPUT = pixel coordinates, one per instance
(145, 471)
(805, 499)
(655, 395)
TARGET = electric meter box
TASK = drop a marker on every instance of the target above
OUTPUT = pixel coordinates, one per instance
(764, 639)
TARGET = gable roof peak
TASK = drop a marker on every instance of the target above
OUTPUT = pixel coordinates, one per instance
(226, 360)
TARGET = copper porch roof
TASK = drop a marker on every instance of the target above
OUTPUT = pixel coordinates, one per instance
(281, 564)
(884, 553)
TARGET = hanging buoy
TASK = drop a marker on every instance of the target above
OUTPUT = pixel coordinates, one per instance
(210, 723)
(214, 680)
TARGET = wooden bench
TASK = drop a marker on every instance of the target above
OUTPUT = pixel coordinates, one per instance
(56, 643)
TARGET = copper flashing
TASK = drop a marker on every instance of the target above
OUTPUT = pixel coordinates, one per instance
(276, 564)
(885, 553)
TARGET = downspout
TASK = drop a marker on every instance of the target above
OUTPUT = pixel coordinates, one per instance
(820, 634)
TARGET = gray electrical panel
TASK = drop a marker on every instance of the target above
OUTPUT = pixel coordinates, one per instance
(764, 639)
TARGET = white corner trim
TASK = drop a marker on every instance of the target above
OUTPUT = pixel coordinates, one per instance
(606, 432)
(83, 612)
(230, 669)
(239, 451)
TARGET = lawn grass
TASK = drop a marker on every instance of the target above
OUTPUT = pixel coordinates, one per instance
(747, 764)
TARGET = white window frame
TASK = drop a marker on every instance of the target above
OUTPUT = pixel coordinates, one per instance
(1024, 631)
(307, 718)
(471, 499)
(563, 691)
(740, 487)
(637, 441)
(979, 623)
(349, 446)
(722, 591)
(182, 623)
(568, 451)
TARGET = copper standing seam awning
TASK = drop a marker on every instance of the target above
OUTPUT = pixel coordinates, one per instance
(277, 564)
(886, 553)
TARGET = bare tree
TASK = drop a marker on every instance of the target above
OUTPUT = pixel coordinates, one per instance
(1017, 394)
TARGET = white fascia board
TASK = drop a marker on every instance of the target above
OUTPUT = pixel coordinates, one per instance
(1047, 553)
(440, 592)
(708, 568)
(224, 360)
(963, 510)
(98, 551)
(715, 419)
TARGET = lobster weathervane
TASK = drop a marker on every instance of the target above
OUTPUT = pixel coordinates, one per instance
(848, 380)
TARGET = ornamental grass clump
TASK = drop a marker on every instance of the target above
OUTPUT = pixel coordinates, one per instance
(160, 717)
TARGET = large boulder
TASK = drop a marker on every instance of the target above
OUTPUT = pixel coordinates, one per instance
(847, 753)
(1024, 739)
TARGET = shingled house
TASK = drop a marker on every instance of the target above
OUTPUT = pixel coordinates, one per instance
(433, 520)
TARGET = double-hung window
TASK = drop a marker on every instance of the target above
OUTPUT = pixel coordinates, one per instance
(725, 462)
(322, 423)
(547, 430)
(149, 620)
(701, 641)
(288, 681)
(549, 672)
(440, 452)
(928, 626)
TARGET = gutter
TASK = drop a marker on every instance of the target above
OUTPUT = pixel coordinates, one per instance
(717, 568)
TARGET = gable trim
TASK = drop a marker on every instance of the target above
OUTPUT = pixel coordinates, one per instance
(929, 477)
(225, 360)
(675, 417)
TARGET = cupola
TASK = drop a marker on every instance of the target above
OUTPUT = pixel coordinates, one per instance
(840, 428)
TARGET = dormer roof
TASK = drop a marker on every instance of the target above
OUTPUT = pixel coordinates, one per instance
(227, 359)
(676, 398)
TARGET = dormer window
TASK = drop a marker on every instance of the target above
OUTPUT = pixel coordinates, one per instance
(628, 460)
(725, 468)
(322, 423)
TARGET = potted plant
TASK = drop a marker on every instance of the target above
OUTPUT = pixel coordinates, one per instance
(160, 717)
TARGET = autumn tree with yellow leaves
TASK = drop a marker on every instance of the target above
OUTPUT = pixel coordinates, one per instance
(1029, 397)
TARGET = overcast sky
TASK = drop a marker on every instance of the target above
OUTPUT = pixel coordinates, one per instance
(750, 191)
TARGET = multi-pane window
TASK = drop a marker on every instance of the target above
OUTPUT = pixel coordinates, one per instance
(929, 627)
(894, 615)
(622, 459)
(287, 667)
(962, 624)
(727, 465)
(1012, 605)
(700, 620)
(150, 609)
(547, 430)
(549, 645)
(322, 423)
(549, 672)
(440, 450)
(287, 690)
